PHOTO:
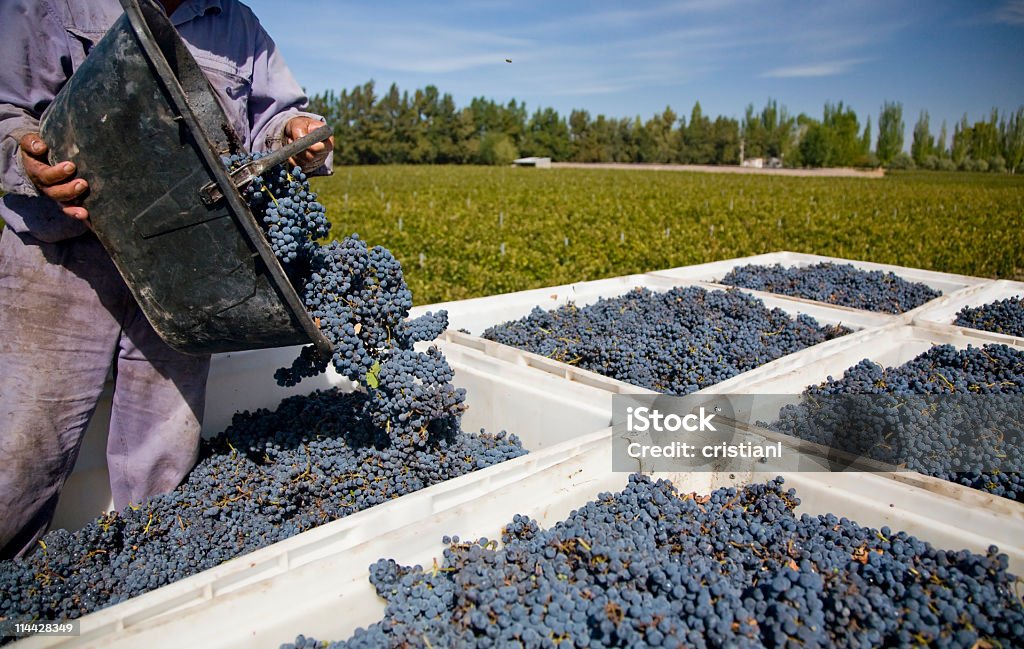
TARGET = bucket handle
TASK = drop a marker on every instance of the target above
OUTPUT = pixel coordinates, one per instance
(210, 193)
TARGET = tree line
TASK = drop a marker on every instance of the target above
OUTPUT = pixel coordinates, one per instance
(425, 126)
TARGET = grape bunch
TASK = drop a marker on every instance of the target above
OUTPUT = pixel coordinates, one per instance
(675, 342)
(651, 567)
(840, 284)
(267, 477)
(286, 207)
(953, 414)
(358, 298)
(1001, 317)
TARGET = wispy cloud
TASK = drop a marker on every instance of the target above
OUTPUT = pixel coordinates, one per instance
(592, 16)
(826, 69)
(619, 58)
(420, 48)
(1010, 12)
(433, 64)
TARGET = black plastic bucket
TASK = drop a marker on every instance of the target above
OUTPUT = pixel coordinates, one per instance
(143, 126)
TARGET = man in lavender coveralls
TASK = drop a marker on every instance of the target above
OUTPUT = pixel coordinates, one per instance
(66, 316)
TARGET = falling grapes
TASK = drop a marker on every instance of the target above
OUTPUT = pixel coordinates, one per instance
(360, 301)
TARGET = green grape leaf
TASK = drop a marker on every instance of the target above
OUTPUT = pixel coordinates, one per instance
(371, 379)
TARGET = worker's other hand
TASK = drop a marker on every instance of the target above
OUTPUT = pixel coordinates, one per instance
(315, 155)
(58, 181)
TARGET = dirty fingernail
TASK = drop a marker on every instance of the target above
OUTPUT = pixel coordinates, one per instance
(68, 167)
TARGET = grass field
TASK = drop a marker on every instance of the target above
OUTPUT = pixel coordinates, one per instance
(449, 225)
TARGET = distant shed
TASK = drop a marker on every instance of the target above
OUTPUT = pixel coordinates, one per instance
(533, 161)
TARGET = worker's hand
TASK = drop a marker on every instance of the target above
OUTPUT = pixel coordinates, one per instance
(315, 155)
(57, 181)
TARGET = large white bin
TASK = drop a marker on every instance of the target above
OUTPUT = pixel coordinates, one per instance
(477, 314)
(541, 410)
(553, 418)
(714, 271)
(780, 382)
(329, 595)
(887, 346)
(944, 312)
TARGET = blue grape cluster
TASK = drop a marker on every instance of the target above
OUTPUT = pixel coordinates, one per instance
(267, 477)
(358, 298)
(286, 207)
(1001, 317)
(360, 301)
(650, 567)
(953, 414)
(415, 396)
(675, 342)
(841, 284)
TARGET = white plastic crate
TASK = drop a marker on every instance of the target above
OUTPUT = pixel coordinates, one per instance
(780, 382)
(541, 410)
(944, 312)
(329, 595)
(553, 418)
(590, 378)
(477, 314)
(714, 271)
(887, 346)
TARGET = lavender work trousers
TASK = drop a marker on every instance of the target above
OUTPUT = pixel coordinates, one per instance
(67, 322)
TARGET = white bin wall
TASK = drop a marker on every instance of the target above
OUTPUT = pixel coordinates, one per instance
(330, 597)
(540, 410)
(944, 312)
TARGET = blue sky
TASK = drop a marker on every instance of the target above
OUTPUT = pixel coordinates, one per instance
(624, 59)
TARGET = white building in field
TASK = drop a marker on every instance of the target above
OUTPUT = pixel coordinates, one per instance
(532, 161)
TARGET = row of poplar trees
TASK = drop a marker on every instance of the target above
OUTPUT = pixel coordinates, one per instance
(426, 126)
